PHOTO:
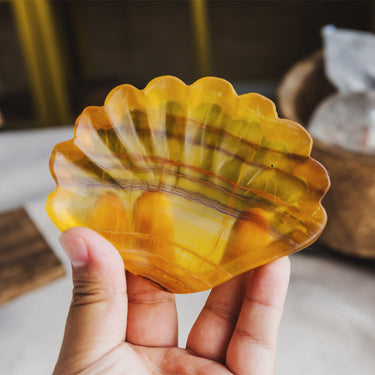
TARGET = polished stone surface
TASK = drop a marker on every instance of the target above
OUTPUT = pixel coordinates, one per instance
(328, 327)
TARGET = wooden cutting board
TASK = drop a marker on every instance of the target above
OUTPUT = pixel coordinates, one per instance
(26, 260)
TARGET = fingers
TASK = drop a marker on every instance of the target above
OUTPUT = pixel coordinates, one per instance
(97, 318)
(213, 329)
(152, 314)
(252, 347)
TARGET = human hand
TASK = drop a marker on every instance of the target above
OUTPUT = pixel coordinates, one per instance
(124, 325)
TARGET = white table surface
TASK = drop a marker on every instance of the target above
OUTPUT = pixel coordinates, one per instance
(328, 327)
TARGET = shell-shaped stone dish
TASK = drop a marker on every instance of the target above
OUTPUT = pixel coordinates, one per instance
(192, 184)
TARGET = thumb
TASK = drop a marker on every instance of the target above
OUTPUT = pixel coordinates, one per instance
(96, 321)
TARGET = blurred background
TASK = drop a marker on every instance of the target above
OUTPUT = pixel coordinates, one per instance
(57, 57)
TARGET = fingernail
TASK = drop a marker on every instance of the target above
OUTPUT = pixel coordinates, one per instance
(75, 248)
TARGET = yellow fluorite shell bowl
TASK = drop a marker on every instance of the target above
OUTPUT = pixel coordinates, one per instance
(192, 184)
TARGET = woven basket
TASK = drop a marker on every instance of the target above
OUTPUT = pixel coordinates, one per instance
(350, 203)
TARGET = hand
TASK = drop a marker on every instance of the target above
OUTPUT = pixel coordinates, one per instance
(124, 325)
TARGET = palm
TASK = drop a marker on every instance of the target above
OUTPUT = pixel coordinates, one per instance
(129, 359)
(130, 328)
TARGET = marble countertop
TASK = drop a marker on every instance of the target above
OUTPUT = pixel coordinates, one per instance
(328, 327)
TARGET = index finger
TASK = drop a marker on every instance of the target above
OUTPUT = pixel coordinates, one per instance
(152, 314)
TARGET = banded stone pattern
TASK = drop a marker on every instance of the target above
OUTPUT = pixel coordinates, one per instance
(224, 164)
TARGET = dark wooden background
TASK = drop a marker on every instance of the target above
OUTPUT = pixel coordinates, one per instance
(113, 42)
